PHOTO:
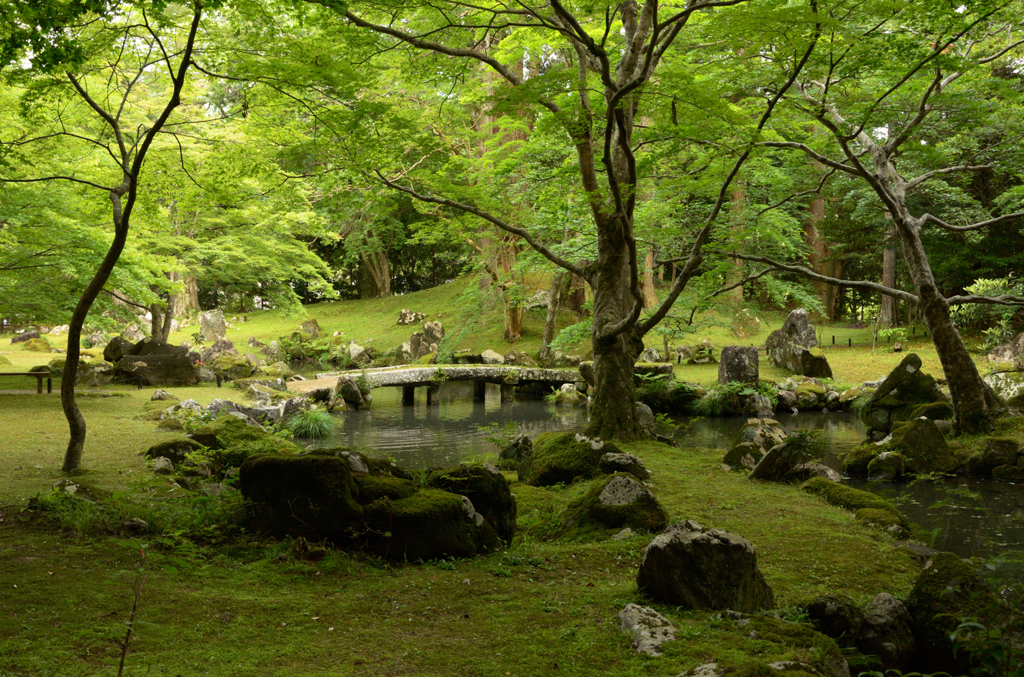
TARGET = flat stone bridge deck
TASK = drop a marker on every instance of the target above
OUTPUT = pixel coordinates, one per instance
(431, 377)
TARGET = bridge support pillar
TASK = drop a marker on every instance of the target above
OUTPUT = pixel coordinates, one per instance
(479, 391)
(433, 395)
(508, 393)
(408, 395)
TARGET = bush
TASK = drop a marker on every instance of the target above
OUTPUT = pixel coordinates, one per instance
(313, 424)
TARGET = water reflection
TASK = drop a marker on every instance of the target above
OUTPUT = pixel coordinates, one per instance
(971, 517)
(421, 436)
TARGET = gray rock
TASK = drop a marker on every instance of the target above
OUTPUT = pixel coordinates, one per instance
(357, 353)
(758, 405)
(698, 568)
(116, 349)
(623, 535)
(519, 447)
(805, 471)
(492, 357)
(24, 336)
(755, 439)
(837, 617)
(781, 460)
(311, 327)
(163, 465)
(255, 342)
(347, 390)
(433, 332)
(706, 670)
(650, 355)
(355, 462)
(212, 325)
(135, 526)
(793, 347)
(214, 489)
(1012, 352)
(403, 355)
(887, 633)
(274, 352)
(648, 628)
(162, 395)
(645, 421)
(218, 348)
(738, 364)
(627, 463)
(96, 340)
(410, 317)
(539, 300)
(622, 490)
(133, 333)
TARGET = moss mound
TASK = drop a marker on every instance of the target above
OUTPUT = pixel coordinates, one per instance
(849, 498)
(37, 345)
(427, 525)
(857, 460)
(230, 432)
(667, 396)
(373, 488)
(311, 496)
(561, 458)
(590, 514)
(883, 520)
(232, 367)
(487, 489)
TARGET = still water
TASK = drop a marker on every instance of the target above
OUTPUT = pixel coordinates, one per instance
(968, 516)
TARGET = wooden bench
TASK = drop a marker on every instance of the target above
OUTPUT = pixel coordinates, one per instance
(40, 375)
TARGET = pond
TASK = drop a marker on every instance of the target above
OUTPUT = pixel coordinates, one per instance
(968, 516)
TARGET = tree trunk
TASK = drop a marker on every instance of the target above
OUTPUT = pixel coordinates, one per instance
(576, 293)
(374, 276)
(613, 411)
(551, 317)
(650, 298)
(818, 258)
(737, 203)
(887, 311)
(973, 402)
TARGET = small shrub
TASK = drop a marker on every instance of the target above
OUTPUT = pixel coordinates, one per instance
(314, 424)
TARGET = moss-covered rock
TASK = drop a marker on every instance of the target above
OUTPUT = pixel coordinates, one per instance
(232, 367)
(1009, 386)
(936, 411)
(427, 525)
(849, 498)
(563, 458)
(903, 390)
(488, 490)
(312, 496)
(668, 396)
(278, 370)
(883, 520)
(229, 432)
(888, 465)
(923, 446)
(995, 452)
(946, 593)
(857, 460)
(37, 345)
(374, 488)
(615, 502)
(1008, 473)
(176, 450)
(743, 456)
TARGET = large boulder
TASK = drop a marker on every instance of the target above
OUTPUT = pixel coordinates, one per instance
(1011, 352)
(212, 325)
(348, 391)
(158, 364)
(755, 439)
(798, 329)
(176, 450)
(697, 568)
(779, 463)
(357, 354)
(946, 593)
(488, 490)
(419, 345)
(1009, 385)
(627, 463)
(232, 367)
(313, 496)
(738, 364)
(887, 634)
(311, 327)
(492, 357)
(433, 332)
(24, 336)
(793, 347)
(429, 524)
(216, 349)
(95, 374)
(921, 443)
(995, 451)
(562, 458)
(904, 390)
(616, 502)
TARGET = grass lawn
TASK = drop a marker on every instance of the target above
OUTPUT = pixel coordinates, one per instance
(234, 605)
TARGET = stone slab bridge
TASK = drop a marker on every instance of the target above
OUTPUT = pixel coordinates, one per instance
(410, 378)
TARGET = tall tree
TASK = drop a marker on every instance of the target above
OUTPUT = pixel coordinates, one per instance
(616, 49)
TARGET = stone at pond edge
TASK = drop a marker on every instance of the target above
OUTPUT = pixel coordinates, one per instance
(887, 634)
(738, 364)
(947, 591)
(517, 448)
(698, 568)
(311, 496)
(230, 432)
(488, 490)
(782, 459)
(615, 502)
(563, 457)
(996, 451)
(923, 446)
(648, 628)
(903, 390)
